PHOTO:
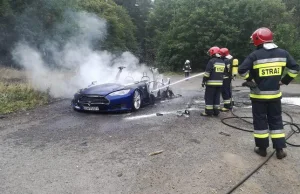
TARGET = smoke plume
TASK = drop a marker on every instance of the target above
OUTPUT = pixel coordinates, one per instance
(63, 64)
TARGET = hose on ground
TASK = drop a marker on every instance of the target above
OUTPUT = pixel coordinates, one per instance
(294, 129)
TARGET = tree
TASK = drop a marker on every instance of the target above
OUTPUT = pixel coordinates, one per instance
(138, 11)
(36, 21)
(121, 30)
(186, 29)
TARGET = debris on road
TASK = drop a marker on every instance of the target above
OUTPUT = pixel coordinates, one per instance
(226, 134)
(159, 114)
(185, 113)
(120, 174)
(179, 113)
(84, 144)
(156, 153)
(2, 117)
(188, 105)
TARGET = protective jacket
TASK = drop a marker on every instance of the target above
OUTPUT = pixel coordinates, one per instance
(187, 68)
(214, 72)
(266, 66)
(228, 63)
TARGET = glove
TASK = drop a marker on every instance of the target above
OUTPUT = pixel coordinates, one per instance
(249, 84)
(203, 84)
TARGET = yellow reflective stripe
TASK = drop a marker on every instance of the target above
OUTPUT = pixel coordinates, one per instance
(220, 65)
(265, 96)
(274, 64)
(206, 75)
(209, 107)
(293, 75)
(279, 135)
(214, 83)
(226, 101)
(245, 75)
(266, 135)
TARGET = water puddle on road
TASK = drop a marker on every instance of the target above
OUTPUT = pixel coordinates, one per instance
(291, 100)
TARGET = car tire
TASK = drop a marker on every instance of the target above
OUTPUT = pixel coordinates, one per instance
(152, 99)
(136, 100)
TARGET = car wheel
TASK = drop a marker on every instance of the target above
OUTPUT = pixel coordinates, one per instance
(137, 100)
(152, 99)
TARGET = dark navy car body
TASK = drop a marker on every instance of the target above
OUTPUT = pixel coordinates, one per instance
(113, 97)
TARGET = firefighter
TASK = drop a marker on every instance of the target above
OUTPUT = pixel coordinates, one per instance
(213, 80)
(187, 68)
(266, 66)
(226, 88)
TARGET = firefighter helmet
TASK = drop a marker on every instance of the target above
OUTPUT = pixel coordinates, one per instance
(262, 35)
(213, 51)
(224, 52)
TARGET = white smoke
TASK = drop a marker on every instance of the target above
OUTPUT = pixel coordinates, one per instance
(79, 64)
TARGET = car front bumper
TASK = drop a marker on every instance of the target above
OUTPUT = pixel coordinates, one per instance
(115, 104)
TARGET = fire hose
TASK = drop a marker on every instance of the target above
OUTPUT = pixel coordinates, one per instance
(295, 129)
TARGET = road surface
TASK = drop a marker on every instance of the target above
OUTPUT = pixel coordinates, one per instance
(53, 149)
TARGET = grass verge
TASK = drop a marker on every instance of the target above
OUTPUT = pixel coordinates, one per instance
(19, 96)
(16, 94)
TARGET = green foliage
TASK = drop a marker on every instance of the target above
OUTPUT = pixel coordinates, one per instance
(121, 31)
(186, 29)
(17, 96)
(38, 21)
(138, 10)
(166, 32)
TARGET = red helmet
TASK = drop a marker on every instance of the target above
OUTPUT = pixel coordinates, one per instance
(262, 35)
(213, 50)
(224, 52)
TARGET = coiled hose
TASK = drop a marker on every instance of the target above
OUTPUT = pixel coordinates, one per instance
(294, 127)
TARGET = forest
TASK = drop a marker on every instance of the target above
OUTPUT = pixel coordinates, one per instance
(161, 33)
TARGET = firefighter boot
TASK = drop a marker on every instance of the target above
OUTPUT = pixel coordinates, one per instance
(280, 154)
(205, 114)
(224, 109)
(261, 151)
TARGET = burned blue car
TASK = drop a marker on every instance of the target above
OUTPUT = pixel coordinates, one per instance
(115, 97)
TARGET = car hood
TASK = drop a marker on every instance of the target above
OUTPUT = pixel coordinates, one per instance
(103, 89)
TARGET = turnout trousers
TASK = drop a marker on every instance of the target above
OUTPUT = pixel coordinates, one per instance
(267, 121)
(212, 100)
(226, 93)
(186, 74)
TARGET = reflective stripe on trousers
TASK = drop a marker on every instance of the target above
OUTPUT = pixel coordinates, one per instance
(266, 94)
(267, 122)
(214, 82)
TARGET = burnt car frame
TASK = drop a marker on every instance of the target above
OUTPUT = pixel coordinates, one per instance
(116, 97)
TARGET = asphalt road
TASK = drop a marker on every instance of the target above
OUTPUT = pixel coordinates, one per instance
(53, 149)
